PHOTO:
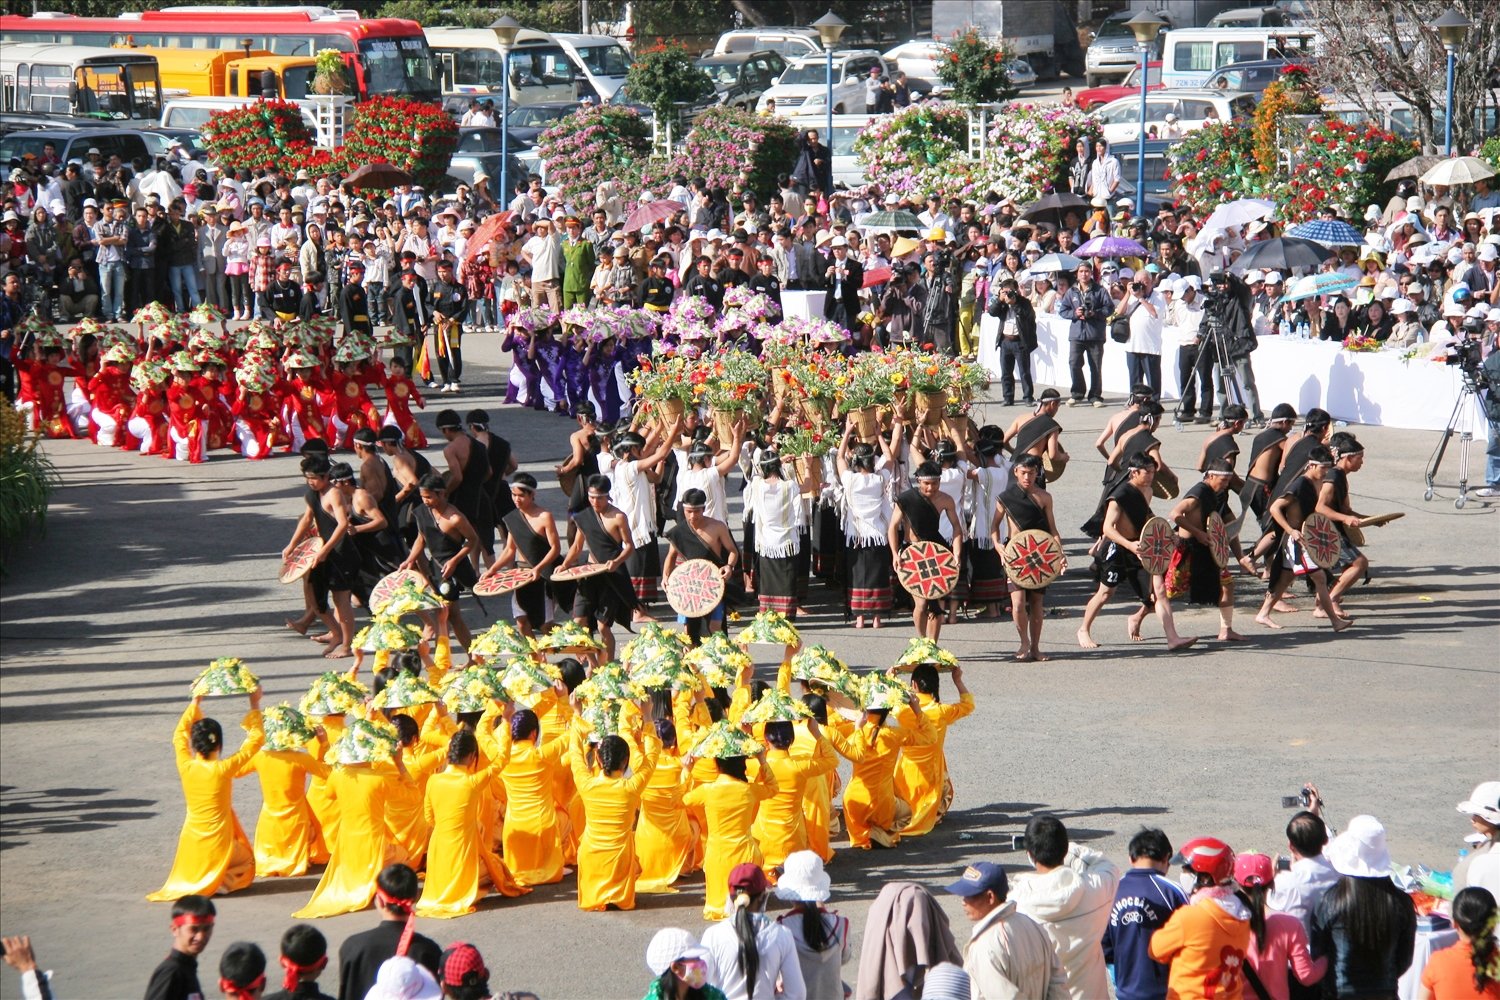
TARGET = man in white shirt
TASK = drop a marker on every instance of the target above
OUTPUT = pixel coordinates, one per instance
(1299, 889)
(1070, 894)
(544, 253)
(1008, 957)
(1147, 310)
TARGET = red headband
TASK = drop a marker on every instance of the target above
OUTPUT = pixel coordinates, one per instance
(233, 990)
(198, 919)
(391, 902)
(295, 972)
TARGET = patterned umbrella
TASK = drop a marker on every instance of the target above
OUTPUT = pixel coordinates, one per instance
(1057, 262)
(1111, 246)
(650, 214)
(891, 220)
(1324, 283)
(1329, 232)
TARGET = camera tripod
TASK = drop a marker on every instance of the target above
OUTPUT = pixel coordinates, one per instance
(1460, 422)
(1228, 379)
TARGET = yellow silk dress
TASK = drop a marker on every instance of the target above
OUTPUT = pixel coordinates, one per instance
(922, 773)
(457, 851)
(286, 832)
(360, 793)
(403, 812)
(213, 853)
(818, 815)
(870, 804)
(319, 799)
(668, 841)
(730, 805)
(607, 863)
(532, 837)
(780, 826)
(555, 722)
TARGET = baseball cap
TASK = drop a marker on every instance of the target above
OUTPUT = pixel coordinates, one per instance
(981, 876)
(461, 960)
(1253, 870)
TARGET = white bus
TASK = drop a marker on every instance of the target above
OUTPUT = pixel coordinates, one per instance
(601, 60)
(470, 62)
(79, 81)
(1190, 55)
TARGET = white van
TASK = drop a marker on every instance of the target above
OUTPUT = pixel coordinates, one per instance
(470, 63)
(194, 112)
(599, 59)
(1190, 55)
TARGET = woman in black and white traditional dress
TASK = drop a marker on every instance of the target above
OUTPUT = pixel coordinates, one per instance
(774, 504)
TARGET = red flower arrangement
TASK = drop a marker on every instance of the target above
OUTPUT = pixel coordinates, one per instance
(414, 136)
(258, 135)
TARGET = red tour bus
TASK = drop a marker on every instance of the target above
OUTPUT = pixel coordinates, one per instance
(386, 56)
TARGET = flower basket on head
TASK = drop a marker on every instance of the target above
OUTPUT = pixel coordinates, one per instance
(921, 650)
(820, 669)
(366, 741)
(610, 682)
(722, 741)
(409, 597)
(287, 729)
(652, 640)
(878, 691)
(718, 660)
(501, 639)
(776, 706)
(387, 635)
(666, 382)
(770, 628)
(604, 717)
(525, 681)
(406, 691)
(225, 676)
(472, 689)
(332, 694)
(570, 638)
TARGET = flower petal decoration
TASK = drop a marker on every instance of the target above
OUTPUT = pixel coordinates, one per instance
(286, 728)
(770, 627)
(569, 637)
(332, 693)
(365, 741)
(225, 676)
(723, 740)
(387, 634)
(472, 689)
(406, 691)
(776, 706)
(407, 598)
(502, 639)
(923, 650)
(881, 691)
(718, 660)
(610, 682)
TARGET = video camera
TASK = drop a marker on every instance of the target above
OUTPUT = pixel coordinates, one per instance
(1466, 351)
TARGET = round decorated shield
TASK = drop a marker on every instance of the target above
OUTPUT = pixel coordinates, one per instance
(1033, 558)
(1165, 486)
(1218, 538)
(579, 572)
(504, 581)
(1157, 543)
(295, 566)
(1321, 539)
(1054, 468)
(928, 570)
(389, 584)
(695, 588)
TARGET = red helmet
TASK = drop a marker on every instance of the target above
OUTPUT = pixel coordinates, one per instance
(1209, 855)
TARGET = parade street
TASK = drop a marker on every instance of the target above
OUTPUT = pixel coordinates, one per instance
(150, 569)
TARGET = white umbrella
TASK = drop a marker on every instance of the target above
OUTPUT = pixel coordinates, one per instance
(1458, 170)
(1239, 213)
(161, 184)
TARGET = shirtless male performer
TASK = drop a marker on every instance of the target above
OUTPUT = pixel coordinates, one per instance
(698, 536)
(531, 542)
(337, 565)
(1039, 434)
(407, 469)
(448, 540)
(1124, 422)
(915, 517)
(1288, 559)
(1333, 501)
(1126, 511)
(1194, 574)
(603, 599)
(1027, 506)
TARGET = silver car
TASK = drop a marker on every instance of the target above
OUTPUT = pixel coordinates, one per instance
(1113, 52)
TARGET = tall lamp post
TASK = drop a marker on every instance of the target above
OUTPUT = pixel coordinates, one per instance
(1451, 28)
(1145, 26)
(505, 29)
(830, 28)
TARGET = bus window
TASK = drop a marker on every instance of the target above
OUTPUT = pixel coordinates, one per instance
(540, 66)
(475, 68)
(1194, 57)
(101, 90)
(292, 45)
(1233, 52)
(401, 66)
(49, 91)
(145, 90)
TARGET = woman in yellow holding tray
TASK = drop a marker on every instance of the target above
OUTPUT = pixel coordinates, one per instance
(286, 832)
(532, 835)
(607, 864)
(457, 856)
(922, 774)
(780, 827)
(213, 853)
(729, 803)
(668, 841)
(872, 811)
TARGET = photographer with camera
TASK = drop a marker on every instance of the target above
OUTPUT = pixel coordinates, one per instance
(1230, 338)
(1489, 371)
(1088, 305)
(940, 315)
(1016, 341)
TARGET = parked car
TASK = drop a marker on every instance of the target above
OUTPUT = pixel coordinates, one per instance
(789, 43)
(1253, 17)
(531, 120)
(1158, 173)
(1122, 118)
(194, 112)
(803, 87)
(1247, 77)
(846, 168)
(478, 150)
(1020, 72)
(917, 59)
(739, 78)
(1095, 97)
(1113, 51)
(74, 143)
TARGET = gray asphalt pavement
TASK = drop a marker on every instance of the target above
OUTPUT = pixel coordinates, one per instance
(149, 569)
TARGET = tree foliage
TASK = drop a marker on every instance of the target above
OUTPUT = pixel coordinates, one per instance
(974, 68)
(1390, 48)
(663, 75)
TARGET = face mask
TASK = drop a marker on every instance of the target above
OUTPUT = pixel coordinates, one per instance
(693, 972)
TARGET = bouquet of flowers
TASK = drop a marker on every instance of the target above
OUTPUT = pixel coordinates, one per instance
(387, 634)
(771, 628)
(926, 651)
(734, 381)
(286, 728)
(472, 689)
(227, 675)
(805, 442)
(724, 740)
(502, 639)
(718, 660)
(666, 378)
(610, 682)
(406, 691)
(866, 382)
(366, 741)
(526, 680)
(776, 706)
(332, 693)
(569, 637)
(929, 374)
(1361, 344)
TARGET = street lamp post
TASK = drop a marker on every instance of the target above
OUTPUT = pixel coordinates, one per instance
(505, 29)
(830, 28)
(1451, 28)
(1145, 26)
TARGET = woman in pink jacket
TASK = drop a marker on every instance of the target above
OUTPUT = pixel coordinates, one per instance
(1278, 941)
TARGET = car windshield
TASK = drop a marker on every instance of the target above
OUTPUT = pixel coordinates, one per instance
(529, 117)
(843, 139)
(605, 60)
(1153, 77)
(815, 72)
(722, 74)
(399, 67)
(1114, 28)
(13, 147)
